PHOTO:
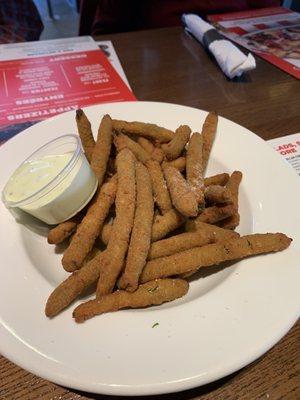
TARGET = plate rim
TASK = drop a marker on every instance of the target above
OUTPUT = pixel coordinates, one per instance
(157, 388)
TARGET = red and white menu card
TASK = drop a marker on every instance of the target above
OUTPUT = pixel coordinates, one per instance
(289, 149)
(41, 79)
(273, 33)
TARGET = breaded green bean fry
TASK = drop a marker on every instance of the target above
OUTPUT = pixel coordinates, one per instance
(106, 231)
(88, 230)
(214, 254)
(160, 190)
(146, 144)
(179, 163)
(74, 285)
(102, 147)
(178, 243)
(233, 185)
(194, 168)
(174, 148)
(183, 199)
(141, 232)
(158, 154)
(85, 133)
(216, 194)
(214, 214)
(219, 234)
(120, 235)
(63, 230)
(164, 224)
(219, 179)
(151, 293)
(151, 131)
(122, 141)
(209, 130)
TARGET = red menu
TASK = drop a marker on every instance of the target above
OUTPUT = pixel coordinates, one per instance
(42, 79)
(272, 33)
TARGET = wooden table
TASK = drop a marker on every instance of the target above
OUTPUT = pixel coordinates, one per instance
(166, 65)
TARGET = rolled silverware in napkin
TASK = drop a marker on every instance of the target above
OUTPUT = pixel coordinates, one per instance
(231, 60)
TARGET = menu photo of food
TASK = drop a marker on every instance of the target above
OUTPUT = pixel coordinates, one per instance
(282, 43)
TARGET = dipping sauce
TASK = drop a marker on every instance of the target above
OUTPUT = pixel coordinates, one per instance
(33, 175)
(52, 187)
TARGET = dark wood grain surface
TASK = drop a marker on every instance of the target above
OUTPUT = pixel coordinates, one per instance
(167, 65)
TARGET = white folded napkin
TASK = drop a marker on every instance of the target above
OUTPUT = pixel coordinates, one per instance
(231, 60)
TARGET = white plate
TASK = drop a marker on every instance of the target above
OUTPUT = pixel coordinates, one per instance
(228, 318)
